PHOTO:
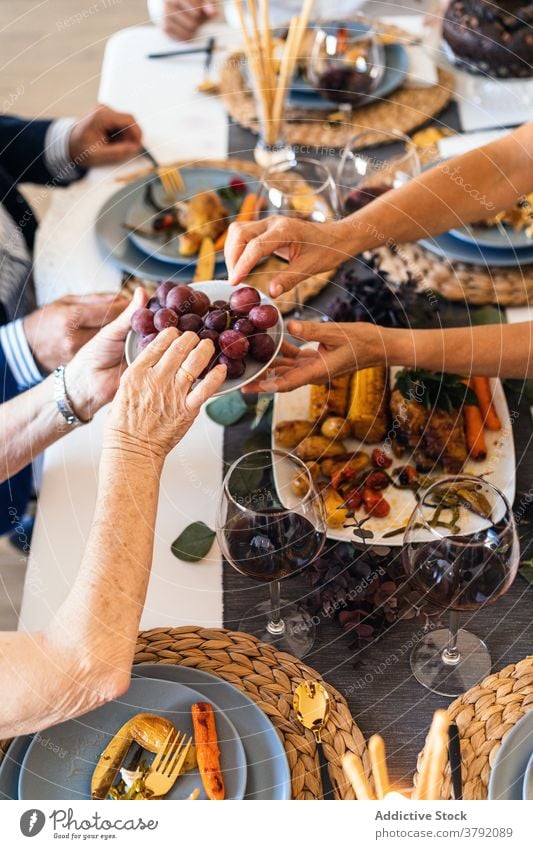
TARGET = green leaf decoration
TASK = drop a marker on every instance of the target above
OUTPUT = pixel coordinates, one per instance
(487, 315)
(194, 543)
(245, 482)
(258, 441)
(228, 409)
(526, 570)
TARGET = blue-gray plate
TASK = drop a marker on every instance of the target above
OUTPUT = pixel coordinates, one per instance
(507, 775)
(10, 767)
(449, 247)
(60, 762)
(302, 95)
(116, 246)
(527, 788)
(197, 180)
(493, 237)
(268, 770)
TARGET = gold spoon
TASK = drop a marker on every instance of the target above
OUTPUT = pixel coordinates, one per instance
(311, 705)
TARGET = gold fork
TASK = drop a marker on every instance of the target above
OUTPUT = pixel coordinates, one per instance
(170, 176)
(167, 765)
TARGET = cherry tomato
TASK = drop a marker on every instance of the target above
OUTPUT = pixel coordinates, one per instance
(342, 476)
(164, 221)
(380, 459)
(354, 500)
(237, 185)
(377, 480)
(375, 504)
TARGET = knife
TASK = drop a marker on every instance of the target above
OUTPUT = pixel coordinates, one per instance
(454, 754)
(110, 762)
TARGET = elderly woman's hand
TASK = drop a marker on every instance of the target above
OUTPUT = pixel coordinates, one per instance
(159, 398)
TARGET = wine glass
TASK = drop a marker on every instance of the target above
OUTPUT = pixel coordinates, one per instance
(373, 162)
(461, 550)
(346, 64)
(271, 524)
(300, 188)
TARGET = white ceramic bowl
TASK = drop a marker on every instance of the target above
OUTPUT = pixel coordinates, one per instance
(220, 290)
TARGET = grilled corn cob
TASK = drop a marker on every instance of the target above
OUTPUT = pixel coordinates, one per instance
(331, 399)
(367, 411)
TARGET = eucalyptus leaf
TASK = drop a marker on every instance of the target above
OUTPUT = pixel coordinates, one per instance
(526, 570)
(228, 409)
(244, 482)
(487, 315)
(194, 542)
(257, 441)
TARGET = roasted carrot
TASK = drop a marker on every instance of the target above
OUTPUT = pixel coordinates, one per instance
(207, 752)
(481, 387)
(475, 439)
(247, 212)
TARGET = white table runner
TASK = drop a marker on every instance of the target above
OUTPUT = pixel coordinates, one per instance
(177, 122)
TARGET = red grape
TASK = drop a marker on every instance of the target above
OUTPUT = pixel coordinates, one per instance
(163, 291)
(220, 305)
(165, 318)
(244, 325)
(262, 347)
(242, 300)
(190, 321)
(263, 316)
(142, 321)
(200, 302)
(209, 334)
(233, 344)
(236, 368)
(143, 341)
(153, 305)
(180, 300)
(216, 320)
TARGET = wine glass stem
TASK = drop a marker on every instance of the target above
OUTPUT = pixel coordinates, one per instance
(450, 655)
(275, 625)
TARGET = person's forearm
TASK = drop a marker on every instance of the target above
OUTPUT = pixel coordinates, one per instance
(84, 657)
(463, 190)
(29, 423)
(501, 350)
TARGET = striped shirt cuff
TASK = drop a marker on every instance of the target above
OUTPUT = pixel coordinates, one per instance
(18, 354)
(56, 151)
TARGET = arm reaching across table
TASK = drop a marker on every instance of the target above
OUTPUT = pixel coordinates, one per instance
(84, 657)
(463, 190)
(501, 350)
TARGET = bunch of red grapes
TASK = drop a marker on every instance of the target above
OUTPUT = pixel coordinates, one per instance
(236, 327)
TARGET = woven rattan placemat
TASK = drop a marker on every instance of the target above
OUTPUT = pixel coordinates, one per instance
(457, 281)
(269, 677)
(405, 110)
(484, 715)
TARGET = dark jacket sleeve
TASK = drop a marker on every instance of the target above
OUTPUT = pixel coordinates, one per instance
(15, 492)
(22, 149)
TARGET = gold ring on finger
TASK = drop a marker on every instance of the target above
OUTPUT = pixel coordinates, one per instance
(190, 377)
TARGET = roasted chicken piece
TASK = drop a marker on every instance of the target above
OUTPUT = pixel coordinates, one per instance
(435, 436)
(202, 216)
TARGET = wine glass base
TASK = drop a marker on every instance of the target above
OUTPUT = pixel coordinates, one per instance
(298, 636)
(450, 680)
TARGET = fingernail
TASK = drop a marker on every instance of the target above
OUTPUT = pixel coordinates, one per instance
(296, 327)
(276, 291)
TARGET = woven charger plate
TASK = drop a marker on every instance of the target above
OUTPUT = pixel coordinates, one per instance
(269, 677)
(259, 278)
(484, 715)
(405, 109)
(456, 281)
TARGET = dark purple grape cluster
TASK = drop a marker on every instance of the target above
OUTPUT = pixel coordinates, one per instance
(237, 327)
(373, 296)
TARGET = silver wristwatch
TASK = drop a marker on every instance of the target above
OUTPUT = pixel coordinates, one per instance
(62, 400)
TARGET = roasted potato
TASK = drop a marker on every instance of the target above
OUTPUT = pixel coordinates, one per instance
(335, 427)
(336, 513)
(357, 462)
(300, 483)
(331, 399)
(316, 447)
(288, 434)
(314, 469)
